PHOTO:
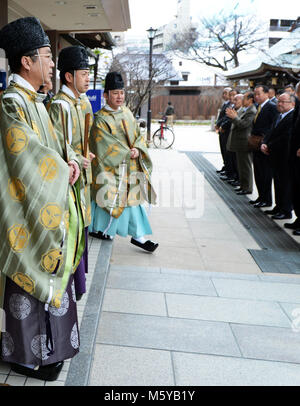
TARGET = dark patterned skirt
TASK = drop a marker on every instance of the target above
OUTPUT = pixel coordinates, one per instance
(34, 336)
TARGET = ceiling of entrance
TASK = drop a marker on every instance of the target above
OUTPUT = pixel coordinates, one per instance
(74, 15)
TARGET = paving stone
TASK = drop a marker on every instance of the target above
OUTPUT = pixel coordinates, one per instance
(206, 370)
(292, 311)
(280, 292)
(126, 301)
(227, 310)
(161, 283)
(124, 366)
(209, 274)
(132, 268)
(268, 343)
(166, 334)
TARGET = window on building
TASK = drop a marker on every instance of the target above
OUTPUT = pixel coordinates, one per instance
(286, 23)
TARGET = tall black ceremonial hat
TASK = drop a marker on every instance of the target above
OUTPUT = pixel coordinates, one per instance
(73, 58)
(22, 36)
(113, 81)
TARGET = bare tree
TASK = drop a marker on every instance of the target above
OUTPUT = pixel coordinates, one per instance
(135, 70)
(218, 41)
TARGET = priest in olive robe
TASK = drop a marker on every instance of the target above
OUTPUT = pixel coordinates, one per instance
(121, 171)
(41, 229)
(70, 108)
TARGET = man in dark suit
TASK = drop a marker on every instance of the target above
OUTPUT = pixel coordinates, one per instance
(294, 163)
(230, 165)
(276, 146)
(272, 95)
(221, 115)
(262, 126)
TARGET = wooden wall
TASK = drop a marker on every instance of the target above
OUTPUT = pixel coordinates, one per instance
(190, 107)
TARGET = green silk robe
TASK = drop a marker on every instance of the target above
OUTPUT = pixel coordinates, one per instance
(125, 182)
(40, 216)
(74, 111)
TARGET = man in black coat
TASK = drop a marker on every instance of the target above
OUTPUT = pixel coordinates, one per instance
(294, 162)
(221, 115)
(230, 164)
(276, 146)
(262, 126)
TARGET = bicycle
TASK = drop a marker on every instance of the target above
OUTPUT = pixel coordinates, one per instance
(164, 136)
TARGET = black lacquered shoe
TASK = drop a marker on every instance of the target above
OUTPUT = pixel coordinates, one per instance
(101, 236)
(44, 373)
(149, 245)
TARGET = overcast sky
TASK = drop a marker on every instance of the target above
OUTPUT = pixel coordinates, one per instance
(147, 13)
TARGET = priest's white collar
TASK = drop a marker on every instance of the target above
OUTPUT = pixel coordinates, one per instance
(22, 82)
(69, 92)
(107, 107)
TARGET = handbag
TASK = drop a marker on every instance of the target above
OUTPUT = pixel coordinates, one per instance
(254, 142)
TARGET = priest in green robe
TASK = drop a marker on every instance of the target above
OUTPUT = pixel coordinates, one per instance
(71, 106)
(121, 171)
(41, 229)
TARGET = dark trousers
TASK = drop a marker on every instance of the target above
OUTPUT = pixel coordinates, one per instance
(222, 143)
(263, 176)
(282, 187)
(244, 165)
(295, 186)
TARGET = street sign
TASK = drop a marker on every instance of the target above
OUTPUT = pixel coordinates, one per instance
(95, 97)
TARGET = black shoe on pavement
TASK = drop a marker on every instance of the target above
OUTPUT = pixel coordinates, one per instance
(45, 372)
(282, 216)
(244, 192)
(273, 211)
(235, 183)
(262, 204)
(292, 226)
(149, 246)
(101, 236)
(254, 201)
(297, 231)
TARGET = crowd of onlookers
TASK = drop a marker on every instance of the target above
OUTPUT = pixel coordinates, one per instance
(259, 134)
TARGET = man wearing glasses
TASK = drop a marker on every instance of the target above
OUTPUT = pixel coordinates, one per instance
(276, 146)
(41, 224)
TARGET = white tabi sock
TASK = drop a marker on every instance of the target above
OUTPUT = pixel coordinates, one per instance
(142, 240)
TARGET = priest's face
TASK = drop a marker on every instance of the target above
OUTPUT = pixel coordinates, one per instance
(115, 98)
(82, 80)
(39, 69)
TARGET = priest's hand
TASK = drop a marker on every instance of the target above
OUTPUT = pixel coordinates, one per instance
(74, 172)
(134, 153)
(87, 161)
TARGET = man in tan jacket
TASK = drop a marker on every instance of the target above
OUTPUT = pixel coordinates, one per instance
(242, 121)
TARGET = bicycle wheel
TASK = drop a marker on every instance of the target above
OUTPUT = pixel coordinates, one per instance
(164, 141)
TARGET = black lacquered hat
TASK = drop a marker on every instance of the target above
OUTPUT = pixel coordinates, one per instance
(73, 58)
(22, 36)
(113, 81)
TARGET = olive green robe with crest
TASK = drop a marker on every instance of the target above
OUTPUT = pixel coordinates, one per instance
(125, 182)
(41, 229)
(74, 112)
